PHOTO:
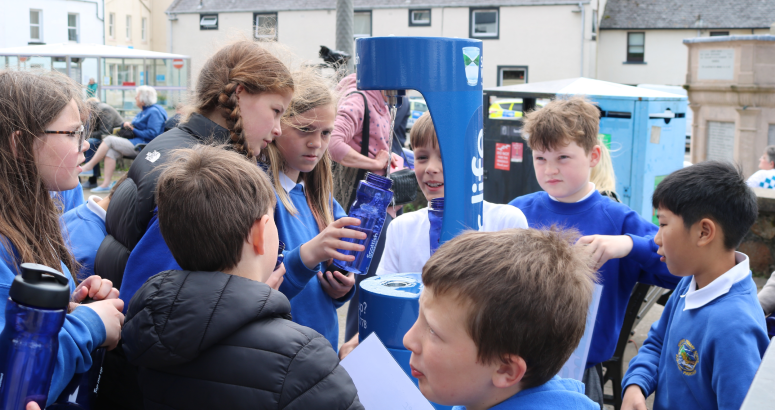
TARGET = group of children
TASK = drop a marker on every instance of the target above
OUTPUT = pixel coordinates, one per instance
(210, 323)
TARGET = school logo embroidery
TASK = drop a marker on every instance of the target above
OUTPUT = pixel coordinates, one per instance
(152, 156)
(687, 358)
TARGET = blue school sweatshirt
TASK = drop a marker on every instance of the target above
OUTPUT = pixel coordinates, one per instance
(81, 333)
(599, 215)
(151, 255)
(84, 232)
(556, 394)
(69, 199)
(312, 307)
(702, 358)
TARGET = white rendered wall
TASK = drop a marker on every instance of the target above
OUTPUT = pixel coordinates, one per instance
(15, 21)
(665, 56)
(546, 39)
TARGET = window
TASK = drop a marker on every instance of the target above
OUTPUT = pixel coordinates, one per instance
(266, 25)
(72, 27)
(362, 24)
(484, 23)
(112, 25)
(420, 17)
(719, 33)
(635, 47)
(128, 28)
(144, 29)
(36, 25)
(511, 75)
(208, 22)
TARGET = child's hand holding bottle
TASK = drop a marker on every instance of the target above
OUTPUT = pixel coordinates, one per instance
(326, 244)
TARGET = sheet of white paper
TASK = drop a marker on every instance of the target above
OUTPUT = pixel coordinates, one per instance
(381, 383)
(574, 367)
(762, 395)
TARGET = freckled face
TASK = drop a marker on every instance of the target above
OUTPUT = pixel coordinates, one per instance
(304, 142)
(564, 172)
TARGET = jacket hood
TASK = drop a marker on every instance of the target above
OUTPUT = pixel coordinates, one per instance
(350, 83)
(177, 315)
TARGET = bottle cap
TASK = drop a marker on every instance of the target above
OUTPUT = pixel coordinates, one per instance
(437, 204)
(41, 287)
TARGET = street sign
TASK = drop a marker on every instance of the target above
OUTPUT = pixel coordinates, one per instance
(177, 63)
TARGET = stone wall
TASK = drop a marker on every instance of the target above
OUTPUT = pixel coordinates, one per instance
(759, 244)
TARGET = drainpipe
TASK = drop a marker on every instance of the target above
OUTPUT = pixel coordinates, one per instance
(170, 19)
(583, 23)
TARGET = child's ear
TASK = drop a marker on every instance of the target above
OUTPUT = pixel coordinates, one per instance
(594, 156)
(258, 235)
(510, 372)
(707, 230)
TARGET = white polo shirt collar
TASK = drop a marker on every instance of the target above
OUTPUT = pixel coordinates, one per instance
(288, 184)
(698, 298)
(585, 196)
(96, 209)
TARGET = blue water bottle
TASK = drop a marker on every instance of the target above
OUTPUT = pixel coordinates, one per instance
(81, 392)
(34, 314)
(371, 202)
(436, 217)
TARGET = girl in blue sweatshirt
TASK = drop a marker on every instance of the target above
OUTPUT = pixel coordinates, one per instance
(41, 145)
(307, 216)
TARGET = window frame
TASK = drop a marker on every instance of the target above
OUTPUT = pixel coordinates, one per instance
(203, 16)
(128, 27)
(112, 25)
(371, 24)
(500, 69)
(144, 29)
(276, 25)
(77, 28)
(39, 25)
(412, 23)
(472, 11)
(634, 60)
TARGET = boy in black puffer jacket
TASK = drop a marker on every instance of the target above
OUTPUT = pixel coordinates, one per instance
(219, 334)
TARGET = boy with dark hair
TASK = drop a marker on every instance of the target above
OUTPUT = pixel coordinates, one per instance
(704, 351)
(216, 335)
(496, 339)
(563, 138)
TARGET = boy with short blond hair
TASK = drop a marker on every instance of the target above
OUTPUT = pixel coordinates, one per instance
(704, 351)
(500, 314)
(216, 335)
(563, 138)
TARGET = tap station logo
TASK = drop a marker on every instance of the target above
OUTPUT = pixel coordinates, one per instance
(472, 60)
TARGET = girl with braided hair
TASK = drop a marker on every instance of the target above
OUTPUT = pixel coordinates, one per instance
(241, 95)
(41, 144)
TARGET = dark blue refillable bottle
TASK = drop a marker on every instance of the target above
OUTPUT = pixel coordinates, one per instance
(81, 392)
(436, 217)
(371, 202)
(34, 314)
(280, 256)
